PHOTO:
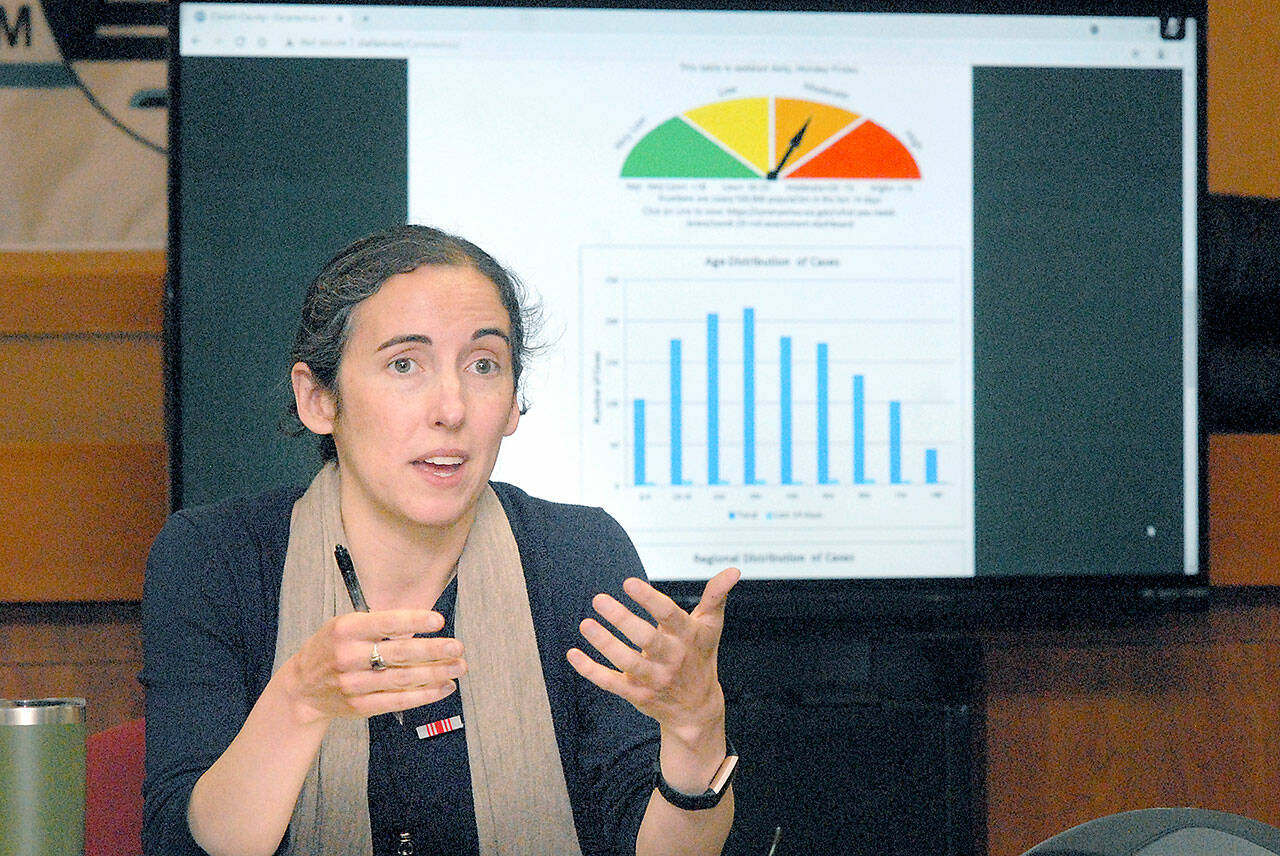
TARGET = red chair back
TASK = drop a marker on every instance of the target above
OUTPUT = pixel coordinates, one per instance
(113, 790)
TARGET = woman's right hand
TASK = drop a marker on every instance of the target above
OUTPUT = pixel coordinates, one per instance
(242, 804)
(333, 675)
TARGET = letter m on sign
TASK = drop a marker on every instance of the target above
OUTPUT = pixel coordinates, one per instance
(21, 27)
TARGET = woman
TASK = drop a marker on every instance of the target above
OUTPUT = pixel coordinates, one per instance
(267, 695)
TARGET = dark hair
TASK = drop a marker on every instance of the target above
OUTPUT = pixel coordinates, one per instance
(359, 271)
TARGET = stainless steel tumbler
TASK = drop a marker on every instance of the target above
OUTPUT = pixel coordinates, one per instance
(42, 777)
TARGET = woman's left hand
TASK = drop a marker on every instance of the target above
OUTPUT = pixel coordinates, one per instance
(669, 670)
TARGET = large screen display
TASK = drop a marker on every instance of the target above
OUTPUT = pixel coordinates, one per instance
(826, 294)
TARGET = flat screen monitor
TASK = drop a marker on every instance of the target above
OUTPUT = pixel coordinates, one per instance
(866, 299)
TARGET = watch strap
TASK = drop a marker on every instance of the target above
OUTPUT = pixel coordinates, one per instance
(710, 798)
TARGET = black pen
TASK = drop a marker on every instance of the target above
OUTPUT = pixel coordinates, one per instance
(348, 571)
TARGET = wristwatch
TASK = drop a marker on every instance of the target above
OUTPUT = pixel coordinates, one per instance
(710, 798)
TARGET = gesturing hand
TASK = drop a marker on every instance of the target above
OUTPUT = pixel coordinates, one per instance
(333, 676)
(670, 674)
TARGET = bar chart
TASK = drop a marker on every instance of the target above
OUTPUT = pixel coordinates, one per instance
(679, 444)
(733, 393)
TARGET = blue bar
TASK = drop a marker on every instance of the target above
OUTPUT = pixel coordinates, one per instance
(859, 433)
(713, 399)
(784, 367)
(895, 442)
(637, 411)
(931, 466)
(823, 416)
(677, 417)
(749, 396)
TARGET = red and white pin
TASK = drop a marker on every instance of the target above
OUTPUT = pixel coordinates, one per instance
(440, 726)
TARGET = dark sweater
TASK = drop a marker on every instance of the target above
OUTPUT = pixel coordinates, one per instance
(209, 623)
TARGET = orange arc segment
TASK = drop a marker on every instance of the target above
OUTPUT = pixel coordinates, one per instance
(790, 114)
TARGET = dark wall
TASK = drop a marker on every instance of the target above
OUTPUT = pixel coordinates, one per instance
(1240, 315)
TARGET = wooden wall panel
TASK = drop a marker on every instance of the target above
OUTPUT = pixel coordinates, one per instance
(1244, 107)
(79, 518)
(90, 390)
(83, 461)
(83, 472)
(1179, 711)
(1244, 509)
(103, 292)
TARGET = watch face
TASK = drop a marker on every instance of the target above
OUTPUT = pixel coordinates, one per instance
(724, 775)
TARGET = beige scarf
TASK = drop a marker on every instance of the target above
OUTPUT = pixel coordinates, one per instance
(521, 802)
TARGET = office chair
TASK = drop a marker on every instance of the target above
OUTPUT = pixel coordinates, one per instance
(1164, 832)
(113, 790)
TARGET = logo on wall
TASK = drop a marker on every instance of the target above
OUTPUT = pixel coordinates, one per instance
(20, 27)
(82, 123)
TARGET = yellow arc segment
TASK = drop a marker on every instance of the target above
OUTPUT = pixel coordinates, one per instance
(790, 114)
(742, 125)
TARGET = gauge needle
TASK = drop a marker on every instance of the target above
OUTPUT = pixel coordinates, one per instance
(795, 144)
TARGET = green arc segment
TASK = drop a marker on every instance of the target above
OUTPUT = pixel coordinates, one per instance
(676, 150)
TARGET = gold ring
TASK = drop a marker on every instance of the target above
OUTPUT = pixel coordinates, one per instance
(375, 660)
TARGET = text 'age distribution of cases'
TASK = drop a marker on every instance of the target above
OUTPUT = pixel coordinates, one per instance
(769, 138)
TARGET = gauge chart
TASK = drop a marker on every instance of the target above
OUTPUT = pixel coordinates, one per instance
(770, 138)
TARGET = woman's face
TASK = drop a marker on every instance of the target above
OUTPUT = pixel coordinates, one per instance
(426, 395)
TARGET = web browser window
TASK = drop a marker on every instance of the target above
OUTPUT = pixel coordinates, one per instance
(827, 294)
